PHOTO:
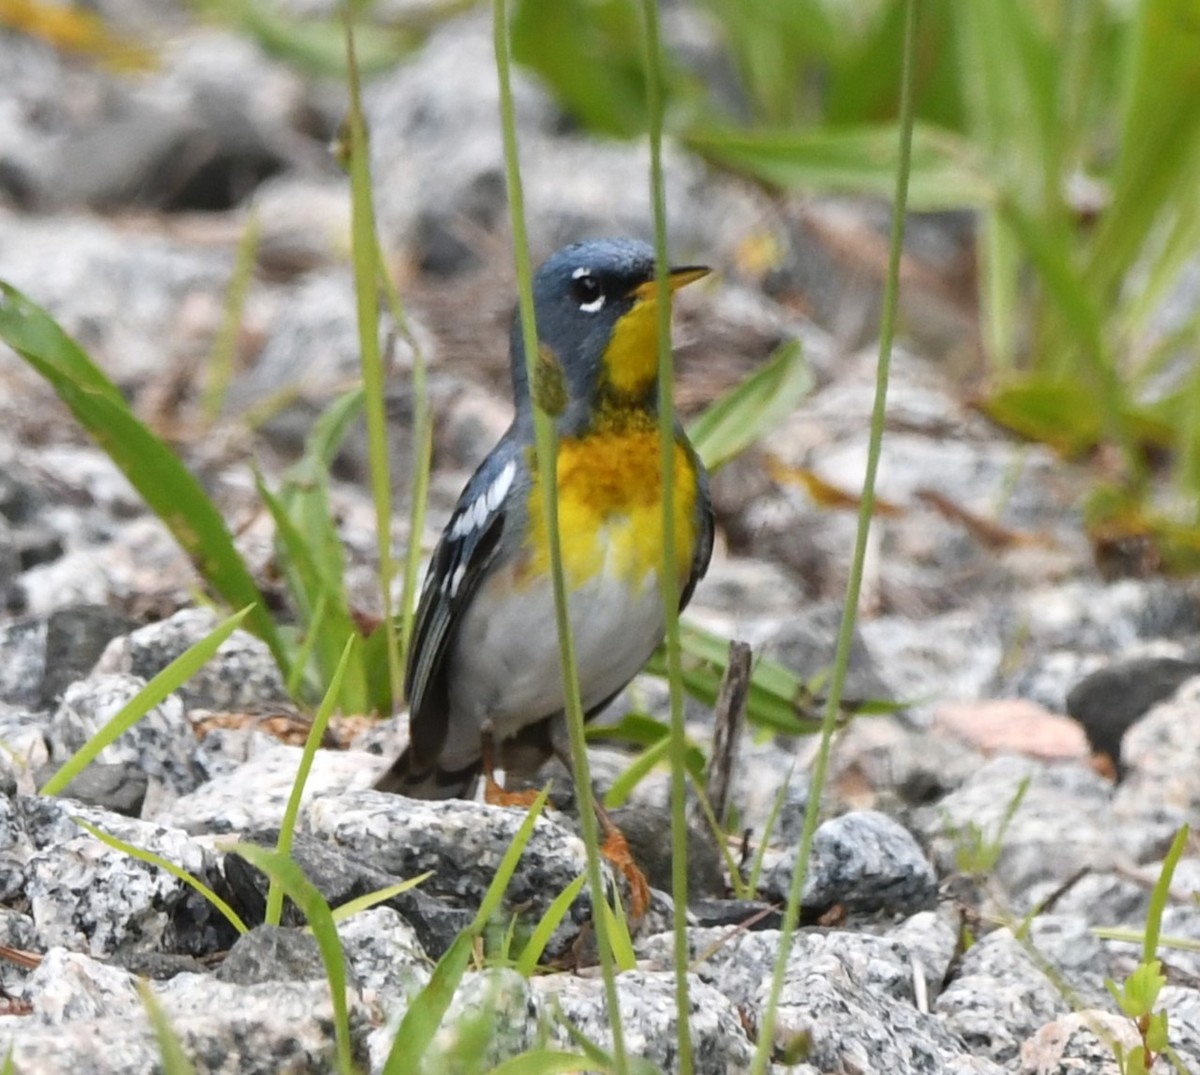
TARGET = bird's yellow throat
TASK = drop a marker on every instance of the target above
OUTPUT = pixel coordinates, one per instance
(610, 507)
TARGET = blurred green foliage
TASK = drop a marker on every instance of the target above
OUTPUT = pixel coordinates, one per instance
(1062, 123)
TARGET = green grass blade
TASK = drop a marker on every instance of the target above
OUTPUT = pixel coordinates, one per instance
(1162, 893)
(545, 449)
(365, 247)
(425, 1013)
(186, 665)
(858, 160)
(166, 485)
(591, 56)
(1159, 141)
(153, 859)
(316, 733)
(170, 1051)
(312, 591)
(766, 1040)
(381, 895)
(305, 895)
(618, 935)
(728, 426)
(225, 346)
(546, 1062)
(531, 954)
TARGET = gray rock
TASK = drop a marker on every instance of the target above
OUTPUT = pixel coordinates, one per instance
(341, 878)
(649, 1019)
(1162, 786)
(998, 998)
(119, 787)
(462, 842)
(16, 931)
(22, 661)
(75, 638)
(255, 794)
(1063, 825)
(84, 895)
(864, 862)
(160, 745)
(241, 676)
(272, 954)
(852, 1002)
(385, 957)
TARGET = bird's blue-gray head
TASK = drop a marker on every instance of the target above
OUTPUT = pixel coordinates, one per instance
(594, 303)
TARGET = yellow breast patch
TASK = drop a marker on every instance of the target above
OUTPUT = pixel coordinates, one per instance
(610, 508)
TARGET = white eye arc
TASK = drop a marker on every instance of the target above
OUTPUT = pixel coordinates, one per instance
(586, 290)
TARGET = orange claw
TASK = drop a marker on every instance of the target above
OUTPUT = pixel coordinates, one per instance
(616, 850)
(495, 795)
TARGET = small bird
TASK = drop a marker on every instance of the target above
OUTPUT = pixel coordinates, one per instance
(483, 680)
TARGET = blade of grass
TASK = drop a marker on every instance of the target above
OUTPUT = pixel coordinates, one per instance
(380, 895)
(857, 160)
(677, 742)
(545, 1062)
(305, 895)
(367, 269)
(311, 589)
(170, 1051)
(167, 486)
(224, 349)
(425, 1013)
(179, 872)
(618, 934)
(766, 1039)
(186, 665)
(1161, 893)
(316, 733)
(422, 439)
(546, 455)
(531, 954)
(728, 426)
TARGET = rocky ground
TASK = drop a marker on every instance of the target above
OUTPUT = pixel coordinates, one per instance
(122, 200)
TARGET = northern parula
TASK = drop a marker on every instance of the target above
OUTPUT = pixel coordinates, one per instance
(484, 665)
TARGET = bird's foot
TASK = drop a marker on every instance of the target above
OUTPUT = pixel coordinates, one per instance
(495, 795)
(616, 850)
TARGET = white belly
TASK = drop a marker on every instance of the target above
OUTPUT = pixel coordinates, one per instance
(507, 655)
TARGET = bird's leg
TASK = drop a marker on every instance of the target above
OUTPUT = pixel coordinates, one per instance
(615, 847)
(493, 793)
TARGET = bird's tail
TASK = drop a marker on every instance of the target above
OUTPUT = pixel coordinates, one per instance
(405, 777)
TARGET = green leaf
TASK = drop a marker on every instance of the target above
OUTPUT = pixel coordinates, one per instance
(590, 53)
(1159, 141)
(624, 955)
(1060, 413)
(316, 733)
(531, 954)
(166, 485)
(305, 895)
(754, 408)
(1161, 894)
(546, 1062)
(314, 45)
(856, 160)
(381, 895)
(186, 665)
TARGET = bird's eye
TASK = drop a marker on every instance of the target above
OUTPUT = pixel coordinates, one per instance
(586, 290)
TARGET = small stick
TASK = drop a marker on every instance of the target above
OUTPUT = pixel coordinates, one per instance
(729, 715)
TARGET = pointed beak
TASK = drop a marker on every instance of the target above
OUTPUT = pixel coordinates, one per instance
(677, 277)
